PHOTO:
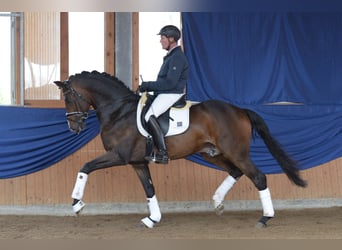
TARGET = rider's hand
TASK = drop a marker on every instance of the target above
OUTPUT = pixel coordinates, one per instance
(143, 87)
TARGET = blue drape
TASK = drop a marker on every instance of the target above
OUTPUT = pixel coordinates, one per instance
(32, 139)
(253, 59)
(256, 58)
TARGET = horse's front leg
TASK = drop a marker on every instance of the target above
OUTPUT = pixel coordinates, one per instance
(144, 175)
(107, 160)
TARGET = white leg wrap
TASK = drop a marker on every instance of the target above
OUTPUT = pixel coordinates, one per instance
(81, 181)
(154, 209)
(155, 215)
(147, 222)
(222, 190)
(266, 202)
(78, 207)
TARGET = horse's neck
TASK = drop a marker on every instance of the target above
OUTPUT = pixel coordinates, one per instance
(112, 112)
(111, 99)
(103, 95)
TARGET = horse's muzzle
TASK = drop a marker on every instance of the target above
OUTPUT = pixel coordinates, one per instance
(76, 121)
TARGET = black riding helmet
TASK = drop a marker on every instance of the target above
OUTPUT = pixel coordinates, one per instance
(170, 31)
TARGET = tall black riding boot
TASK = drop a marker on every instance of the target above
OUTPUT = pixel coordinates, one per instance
(158, 139)
(149, 149)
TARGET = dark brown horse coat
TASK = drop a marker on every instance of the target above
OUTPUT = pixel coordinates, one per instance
(219, 131)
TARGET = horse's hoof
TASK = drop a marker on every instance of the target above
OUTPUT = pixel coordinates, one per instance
(141, 225)
(219, 209)
(147, 222)
(261, 225)
(77, 207)
(262, 222)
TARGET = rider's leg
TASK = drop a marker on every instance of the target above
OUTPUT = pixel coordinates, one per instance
(160, 104)
(149, 149)
(158, 138)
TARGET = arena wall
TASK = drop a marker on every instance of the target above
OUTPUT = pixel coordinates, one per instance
(180, 181)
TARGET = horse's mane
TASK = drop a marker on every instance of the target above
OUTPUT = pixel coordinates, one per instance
(96, 74)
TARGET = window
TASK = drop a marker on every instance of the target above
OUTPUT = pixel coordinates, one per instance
(42, 49)
(38, 48)
(150, 52)
(7, 50)
(42, 56)
(86, 42)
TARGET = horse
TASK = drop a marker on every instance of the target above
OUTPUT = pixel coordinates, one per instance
(220, 132)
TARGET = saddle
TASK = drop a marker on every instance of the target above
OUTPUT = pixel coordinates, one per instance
(172, 122)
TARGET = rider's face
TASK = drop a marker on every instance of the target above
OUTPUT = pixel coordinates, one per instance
(165, 42)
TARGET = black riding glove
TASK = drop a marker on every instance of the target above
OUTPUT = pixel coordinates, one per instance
(144, 87)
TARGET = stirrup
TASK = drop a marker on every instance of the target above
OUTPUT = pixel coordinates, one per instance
(161, 157)
(149, 158)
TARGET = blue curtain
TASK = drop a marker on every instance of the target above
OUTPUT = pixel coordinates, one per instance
(32, 139)
(255, 59)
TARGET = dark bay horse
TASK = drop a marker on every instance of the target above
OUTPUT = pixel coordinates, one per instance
(220, 132)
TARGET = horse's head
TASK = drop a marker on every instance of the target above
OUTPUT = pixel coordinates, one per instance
(77, 106)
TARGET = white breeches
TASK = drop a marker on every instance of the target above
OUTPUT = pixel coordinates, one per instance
(161, 103)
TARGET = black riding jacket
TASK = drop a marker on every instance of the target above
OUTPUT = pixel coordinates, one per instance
(173, 74)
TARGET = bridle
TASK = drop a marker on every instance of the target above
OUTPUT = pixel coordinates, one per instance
(81, 116)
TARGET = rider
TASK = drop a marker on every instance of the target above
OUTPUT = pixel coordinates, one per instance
(168, 88)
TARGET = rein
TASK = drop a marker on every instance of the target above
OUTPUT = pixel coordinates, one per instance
(77, 97)
(83, 115)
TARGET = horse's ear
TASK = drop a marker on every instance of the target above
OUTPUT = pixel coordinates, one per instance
(59, 84)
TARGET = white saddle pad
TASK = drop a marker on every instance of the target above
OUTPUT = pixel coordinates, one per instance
(178, 123)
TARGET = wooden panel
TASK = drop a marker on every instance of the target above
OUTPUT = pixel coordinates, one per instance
(64, 45)
(45, 103)
(110, 43)
(181, 180)
(135, 50)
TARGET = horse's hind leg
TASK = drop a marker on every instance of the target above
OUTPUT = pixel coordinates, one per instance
(267, 206)
(236, 170)
(144, 175)
(260, 182)
(224, 188)
(221, 193)
(228, 182)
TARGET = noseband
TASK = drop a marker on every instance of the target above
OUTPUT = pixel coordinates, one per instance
(83, 116)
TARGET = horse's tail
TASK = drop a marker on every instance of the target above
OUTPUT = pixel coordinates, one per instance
(286, 163)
